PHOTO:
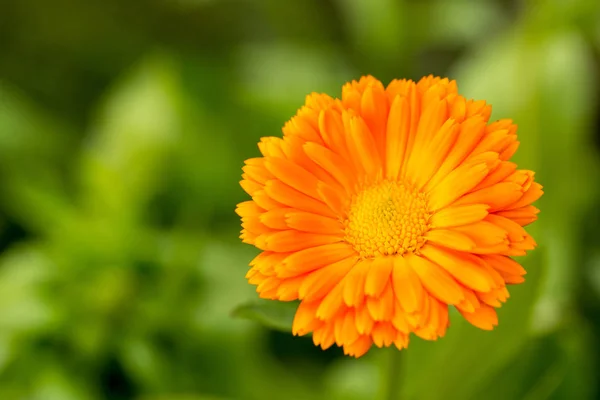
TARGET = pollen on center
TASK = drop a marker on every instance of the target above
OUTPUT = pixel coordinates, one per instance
(386, 219)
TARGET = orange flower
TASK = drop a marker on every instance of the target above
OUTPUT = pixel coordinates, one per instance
(380, 210)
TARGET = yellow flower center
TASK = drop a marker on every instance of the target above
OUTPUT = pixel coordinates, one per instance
(385, 219)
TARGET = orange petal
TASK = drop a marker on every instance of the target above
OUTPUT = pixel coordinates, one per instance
(257, 173)
(399, 87)
(253, 225)
(284, 241)
(478, 107)
(533, 193)
(284, 194)
(383, 334)
(425, 167)
(337, 166)
(465, 268)
(415, 114)
(497, 196)
(407, 286)
(288, 288)
(495, 141)
(378, 275)
(516, 233)
(320, 282)
(484, 317)
(345, 331)
(332, 130)
(458, 108)
(434, 113)
(294, 150)
(498, 174)
(399, 320)
(509, 151)
(334, 198)
(293, 175)
(300, 127)
(437, 281)
(374, 110)
(264, 201)
(459, 215)
(268, 288)
(362, 147)
(522, 216)
(456, 184)
(315, 223)
(324, 336)
(359, 347)
(331, 304)
(275, 218)
(437, 322)
(305, 320)
(504, 264)
(494, 297)
(451, 239)
(248, 208)
(271, 146)
(397, 136)
(381, 308)
(401, 341)
(364, 321)
(470, 302)
(470, 132)
(484, 234)
(308, 260)
(354, 283)
(251, 187)
(266, 262)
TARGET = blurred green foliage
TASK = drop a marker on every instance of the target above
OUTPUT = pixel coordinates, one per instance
(123, 127)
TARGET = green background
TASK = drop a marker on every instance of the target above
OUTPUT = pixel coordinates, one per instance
(123, 128)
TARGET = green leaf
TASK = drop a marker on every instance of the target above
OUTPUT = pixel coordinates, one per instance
(277, 315)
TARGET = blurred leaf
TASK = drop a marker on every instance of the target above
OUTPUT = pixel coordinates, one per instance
(381, 34)
(32, 145)
(27, 131)
(56, 384)
(23, 270)
(550, 366)
(472, 22)
(143, 362)
(566, 105)
(274, 314)
(222, 266)
(136, 129)
(350, 379)
(40, 203)
(300, 70)
(23, 309)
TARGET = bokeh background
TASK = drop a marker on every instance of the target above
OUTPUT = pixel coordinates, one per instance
(123, 128)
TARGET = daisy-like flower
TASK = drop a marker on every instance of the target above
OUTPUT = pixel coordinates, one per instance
(380, 210)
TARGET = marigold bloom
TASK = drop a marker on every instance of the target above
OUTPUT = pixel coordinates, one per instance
(380, 210)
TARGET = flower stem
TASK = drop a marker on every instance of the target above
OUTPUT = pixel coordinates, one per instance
(391, 374)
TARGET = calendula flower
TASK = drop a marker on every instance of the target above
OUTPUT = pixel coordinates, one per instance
(380, 210)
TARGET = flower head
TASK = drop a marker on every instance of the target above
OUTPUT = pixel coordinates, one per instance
(380, 210)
